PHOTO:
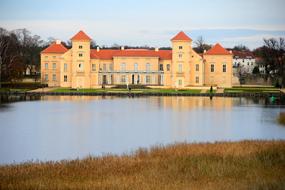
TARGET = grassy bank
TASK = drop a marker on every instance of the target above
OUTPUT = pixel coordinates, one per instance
(118, 90)
(239, 165)
(281, 118)
(173, 91)
(14, 89)
(252, 90)
(20, 86)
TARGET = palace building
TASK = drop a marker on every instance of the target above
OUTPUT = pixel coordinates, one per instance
(82, 67)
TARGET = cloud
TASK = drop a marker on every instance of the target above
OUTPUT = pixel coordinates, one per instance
(250, 41)
(107, 32)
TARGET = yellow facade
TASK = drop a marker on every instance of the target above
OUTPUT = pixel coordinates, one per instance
(217, 68)
(82, 67)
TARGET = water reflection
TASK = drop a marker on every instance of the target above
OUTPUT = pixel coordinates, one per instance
(67, 127)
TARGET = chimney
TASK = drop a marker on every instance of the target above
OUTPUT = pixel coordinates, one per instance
(122, 48)
(58, 42)
(98, 48)
(156, 49)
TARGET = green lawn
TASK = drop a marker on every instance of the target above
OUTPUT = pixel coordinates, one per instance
(252, 90)
(172, 91)
(115, 90)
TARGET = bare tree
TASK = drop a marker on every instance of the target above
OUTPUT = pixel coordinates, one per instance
(273, 54)
(200, 45)
(241, 48)
(18, 51)
(93, 44)
(3, 49)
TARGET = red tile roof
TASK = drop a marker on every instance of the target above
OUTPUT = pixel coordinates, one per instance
(81, 36)
(243, 54)
(181, 36)
(55, 48)
(109, 54)
(217, 50)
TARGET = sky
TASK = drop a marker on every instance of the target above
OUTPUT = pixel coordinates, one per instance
(149, 22)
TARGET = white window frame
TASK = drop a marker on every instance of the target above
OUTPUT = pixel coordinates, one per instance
(93, 67)
(136, 66)
(46, 77)
(111, 67)
(53, 77)
(123, 67)
(148, 67)
(148, 79)
(123, 79)
(54, 66)
(65, 67)
(180, 68)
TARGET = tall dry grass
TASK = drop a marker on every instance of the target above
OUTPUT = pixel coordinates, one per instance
(238, 165)
(281, 118)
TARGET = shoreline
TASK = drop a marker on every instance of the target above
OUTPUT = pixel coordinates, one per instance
(138, 94)
(221, 165)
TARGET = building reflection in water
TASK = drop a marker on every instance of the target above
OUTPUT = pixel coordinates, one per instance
(63, 127)
(189, 115)
(76, 98)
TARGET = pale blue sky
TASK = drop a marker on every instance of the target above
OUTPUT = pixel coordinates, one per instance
(149, 22)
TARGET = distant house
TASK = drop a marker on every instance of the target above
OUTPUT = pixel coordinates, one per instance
(245, 60)
(31, 70)
(260, 62)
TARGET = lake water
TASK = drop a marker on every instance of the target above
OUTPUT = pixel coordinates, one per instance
(70, 127)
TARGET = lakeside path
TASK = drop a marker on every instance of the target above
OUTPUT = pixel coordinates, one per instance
(223, 165)
(220, 91)
(142, 93)
(43, 90)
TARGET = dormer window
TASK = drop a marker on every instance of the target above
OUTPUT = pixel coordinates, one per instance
(80, 47)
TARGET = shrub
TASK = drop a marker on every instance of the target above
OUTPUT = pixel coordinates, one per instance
(23, 85)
